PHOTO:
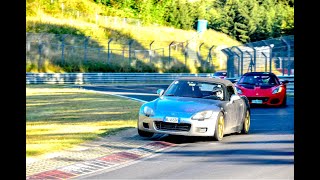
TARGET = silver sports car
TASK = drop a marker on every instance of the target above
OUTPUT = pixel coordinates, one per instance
(196, 106)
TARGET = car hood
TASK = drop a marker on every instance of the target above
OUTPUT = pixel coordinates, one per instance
(256, 91)
(184, 105)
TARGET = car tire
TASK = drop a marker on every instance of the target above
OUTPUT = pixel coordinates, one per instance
(145, 133)
(246, 123)
(219, 128)
(284, 102)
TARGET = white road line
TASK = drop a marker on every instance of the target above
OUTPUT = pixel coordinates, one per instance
(118, 95)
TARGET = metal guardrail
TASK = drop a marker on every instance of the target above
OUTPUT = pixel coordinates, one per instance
(98, 78)
(109, 78)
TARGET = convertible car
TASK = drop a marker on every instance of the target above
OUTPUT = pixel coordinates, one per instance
(196, 106)
(263, 88)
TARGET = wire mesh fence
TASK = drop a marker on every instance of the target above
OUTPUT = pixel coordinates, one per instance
(273, 55)
(66, 48)
(62, 49)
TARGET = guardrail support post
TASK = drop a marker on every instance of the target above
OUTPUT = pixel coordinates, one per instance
(270, 56)
(199, 49)
(86, 41)
(40, 53)
(210, 56)
(266, 61)
(254, 56)
(62, 47)
(130, 43)
(241, 59)
(288, 54)
(169, 60)
(99, 49)
(282, 63)
(150, 51)
(289, 62)
(108, 60)
(238, 57)
(251, 61)
(230, 59)
(186, 53)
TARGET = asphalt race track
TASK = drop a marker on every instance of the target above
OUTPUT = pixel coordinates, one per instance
(266, 152)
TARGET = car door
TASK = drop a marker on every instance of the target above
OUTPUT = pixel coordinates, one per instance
(242, 106)
(236, 107)
(229, 109)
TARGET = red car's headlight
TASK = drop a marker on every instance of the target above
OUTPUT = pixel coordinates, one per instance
(278, 90)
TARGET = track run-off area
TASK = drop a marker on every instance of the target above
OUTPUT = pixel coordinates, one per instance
(266, 152)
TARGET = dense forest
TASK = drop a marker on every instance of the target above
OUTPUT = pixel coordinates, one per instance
(244, 20)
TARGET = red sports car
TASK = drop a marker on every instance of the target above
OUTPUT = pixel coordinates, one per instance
(263, 88)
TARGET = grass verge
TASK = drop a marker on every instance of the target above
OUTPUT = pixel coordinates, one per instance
(59, 117)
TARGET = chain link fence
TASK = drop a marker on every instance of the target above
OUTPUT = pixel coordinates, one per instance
(273, 55)
(62, 49)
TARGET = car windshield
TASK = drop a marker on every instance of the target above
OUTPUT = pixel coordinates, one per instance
(195, 89)
(220, 74)
(261, 80)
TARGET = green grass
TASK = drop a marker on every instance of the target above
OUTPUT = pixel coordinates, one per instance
(59, 117)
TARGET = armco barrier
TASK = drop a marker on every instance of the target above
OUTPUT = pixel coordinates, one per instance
(109, 78)
(98, 78)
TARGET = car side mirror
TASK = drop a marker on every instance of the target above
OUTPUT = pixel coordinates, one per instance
(285, 82)
(234, 97)
(160, 92)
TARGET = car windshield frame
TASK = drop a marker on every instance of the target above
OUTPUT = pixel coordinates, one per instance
(259, 80)
(191, 88)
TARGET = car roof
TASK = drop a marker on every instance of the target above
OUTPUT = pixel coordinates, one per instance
(258, 73)
(220, 71)
(208, 79)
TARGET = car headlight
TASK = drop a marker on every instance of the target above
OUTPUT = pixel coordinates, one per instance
(148, 111)
(277, 90)
(202, 115)
(238, 90)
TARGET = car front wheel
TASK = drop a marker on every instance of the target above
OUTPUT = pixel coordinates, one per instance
(219, 128)
(145, 133)
(246, 123)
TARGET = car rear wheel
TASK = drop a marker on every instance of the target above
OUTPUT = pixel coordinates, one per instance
(246, 123)
(145, 133)
(219, 129)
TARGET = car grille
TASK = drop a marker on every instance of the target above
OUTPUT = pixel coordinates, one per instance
(172, 126)
(264, 99)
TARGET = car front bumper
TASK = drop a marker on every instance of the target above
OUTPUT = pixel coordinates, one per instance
(272, 100)
(186, 126)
